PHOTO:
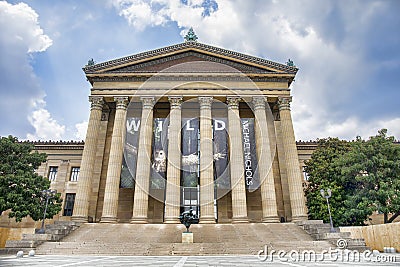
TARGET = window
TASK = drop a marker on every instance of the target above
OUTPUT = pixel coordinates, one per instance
(305, 175)
(53, 173)
(69, 204)
(74, 174)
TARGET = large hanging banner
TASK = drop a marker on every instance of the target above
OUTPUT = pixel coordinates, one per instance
(128, 171)
(251, 177)
(190, 152)
(159, 154)
(221, 157)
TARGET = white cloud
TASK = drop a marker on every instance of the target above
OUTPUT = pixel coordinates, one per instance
(318, 125)
(23, 27)
(323, 38)
(46, 127)
(81, 129)
(143, 13)
(20, 93)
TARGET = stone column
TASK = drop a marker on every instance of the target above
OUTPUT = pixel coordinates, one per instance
(141, 197)
(236, 156)
(111, 193)
(206, 162)
(295, 180)
(172, 195)
(81, 207)
(263, 148)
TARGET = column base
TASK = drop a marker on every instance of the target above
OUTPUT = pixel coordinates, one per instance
(139, 220)
(272, 219)
(298, 218)
(171, 220)
(208, 220)
(108, 220)
(79, 219)
(240, 220)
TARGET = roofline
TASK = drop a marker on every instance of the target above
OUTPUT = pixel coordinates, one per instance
(188, 45)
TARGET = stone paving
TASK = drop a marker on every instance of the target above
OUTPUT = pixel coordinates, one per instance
(173, 261)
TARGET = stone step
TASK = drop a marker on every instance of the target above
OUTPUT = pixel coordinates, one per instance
(162, 239)
(308, 222)
(176, 248)
(70, 223)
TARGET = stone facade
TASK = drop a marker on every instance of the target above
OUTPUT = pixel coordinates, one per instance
(68, 155)
(249, 172)
(189, 126)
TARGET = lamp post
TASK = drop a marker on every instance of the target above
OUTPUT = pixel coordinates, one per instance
(48, 194)
(327, 196)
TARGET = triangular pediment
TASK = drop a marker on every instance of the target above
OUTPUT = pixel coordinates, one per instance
(199, 56)
(189, 62)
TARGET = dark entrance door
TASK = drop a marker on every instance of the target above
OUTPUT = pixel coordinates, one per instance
(190, 199)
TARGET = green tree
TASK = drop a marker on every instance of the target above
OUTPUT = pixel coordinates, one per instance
(323, 173)
(20, 187)
(374, 166)
(364, 177)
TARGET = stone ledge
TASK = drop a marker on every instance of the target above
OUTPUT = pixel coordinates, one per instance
(23, 243)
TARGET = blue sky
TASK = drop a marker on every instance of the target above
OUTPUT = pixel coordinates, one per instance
(347, 52)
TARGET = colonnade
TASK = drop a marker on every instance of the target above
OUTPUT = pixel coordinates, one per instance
(172, 193)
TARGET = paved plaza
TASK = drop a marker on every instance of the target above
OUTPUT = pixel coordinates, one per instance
(175, 261)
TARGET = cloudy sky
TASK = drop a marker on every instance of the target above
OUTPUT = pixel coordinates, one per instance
(348, 53)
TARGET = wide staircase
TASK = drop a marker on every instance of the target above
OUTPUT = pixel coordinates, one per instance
(166, 239)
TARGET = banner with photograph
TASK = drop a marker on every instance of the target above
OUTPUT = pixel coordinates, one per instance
(251, 176)
(159, 154)
(128, 171)
(221, 157)
(190, 152)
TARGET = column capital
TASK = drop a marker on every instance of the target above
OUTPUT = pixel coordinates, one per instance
(258, 102)
(284, 102)
(175, 101)
(96, 102)
(233, 102)
(205, 101)
(121, 101)
(148, 102)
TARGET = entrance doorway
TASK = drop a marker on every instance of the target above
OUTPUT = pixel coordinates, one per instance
(190, 199)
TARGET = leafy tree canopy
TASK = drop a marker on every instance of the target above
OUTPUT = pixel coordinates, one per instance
(364, 177)
(20, 187)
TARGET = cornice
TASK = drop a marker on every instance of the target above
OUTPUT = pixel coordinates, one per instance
(58, 145)
(306, 145)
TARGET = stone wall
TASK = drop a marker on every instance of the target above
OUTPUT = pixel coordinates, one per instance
(13, 234)
(377, 236)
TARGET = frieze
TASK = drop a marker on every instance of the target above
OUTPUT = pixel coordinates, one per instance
(162, 89)
(188, 78)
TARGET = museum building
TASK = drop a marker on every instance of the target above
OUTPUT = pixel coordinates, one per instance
(187, 126)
